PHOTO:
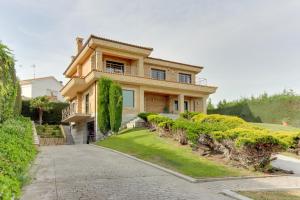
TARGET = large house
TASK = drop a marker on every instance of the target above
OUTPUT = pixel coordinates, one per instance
(43, 86)
(149, 84)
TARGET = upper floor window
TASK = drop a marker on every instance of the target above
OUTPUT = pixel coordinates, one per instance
(158, 74)
(114, 67)
(185, 78)
(87, 103)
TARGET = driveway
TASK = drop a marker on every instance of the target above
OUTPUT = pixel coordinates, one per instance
(88, 172)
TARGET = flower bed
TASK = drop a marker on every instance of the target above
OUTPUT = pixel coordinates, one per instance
(237, 140)
(16, 153)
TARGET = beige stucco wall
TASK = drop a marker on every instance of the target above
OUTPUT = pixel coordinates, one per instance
(86, 67)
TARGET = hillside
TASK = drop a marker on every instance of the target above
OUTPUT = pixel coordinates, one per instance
(275, 109)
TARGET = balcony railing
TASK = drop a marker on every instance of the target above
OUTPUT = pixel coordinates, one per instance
(69, 111)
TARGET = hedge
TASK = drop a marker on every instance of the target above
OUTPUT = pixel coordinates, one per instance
(16, 153)
(236, 139)
(53, 116)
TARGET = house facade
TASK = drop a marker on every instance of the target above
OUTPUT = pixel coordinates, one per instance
(43, 86)
(149, 84)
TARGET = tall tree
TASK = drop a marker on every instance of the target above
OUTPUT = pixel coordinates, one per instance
(103, 104)
(42, 104)
(18, 101)
(115, 106)
(8, 86)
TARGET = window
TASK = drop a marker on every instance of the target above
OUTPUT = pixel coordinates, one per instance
(128, 98)
(176, 107)
(186, 106)
(114, 67)
(158, 74)
(87, 103)
(185, 78)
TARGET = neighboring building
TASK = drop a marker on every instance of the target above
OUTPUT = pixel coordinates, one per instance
(149, 84)
(44, 86)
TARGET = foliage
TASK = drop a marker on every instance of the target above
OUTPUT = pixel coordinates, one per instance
(8, 86)
(188, 114)
(144, 115)
(275, 109)
(42, 104)
(18, 102)
(52, 116)
(115, 106)
(16, 153)
(103, 104)
(49, 131)
(156, 119)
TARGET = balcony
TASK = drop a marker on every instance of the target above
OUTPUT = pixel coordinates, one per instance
(71, 114)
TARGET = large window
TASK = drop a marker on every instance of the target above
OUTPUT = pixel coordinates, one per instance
(185, 78)
(114, 67)
(176, 106)
(158, 74)
(128, 98)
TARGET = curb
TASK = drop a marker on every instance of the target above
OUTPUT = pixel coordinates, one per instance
(179, 175)
(185, 177)
(234, 195)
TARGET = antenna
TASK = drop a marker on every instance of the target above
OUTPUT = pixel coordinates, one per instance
(33, 66)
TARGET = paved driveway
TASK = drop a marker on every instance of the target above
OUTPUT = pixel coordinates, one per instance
(88, 172)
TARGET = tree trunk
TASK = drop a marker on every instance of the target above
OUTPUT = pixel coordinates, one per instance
(40, 116)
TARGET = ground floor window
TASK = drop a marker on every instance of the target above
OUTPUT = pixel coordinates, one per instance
(186, 105)
(128, 98)
(176, 107)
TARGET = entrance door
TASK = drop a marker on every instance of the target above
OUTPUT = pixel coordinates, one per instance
(90, 132)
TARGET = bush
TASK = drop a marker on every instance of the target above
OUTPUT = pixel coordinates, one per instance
(52, 116)
(291, 139)
(115, 106)
(188, 115)
(144, 115)
(103, 104)
(16, 153)
(49, 131)
(156, 119)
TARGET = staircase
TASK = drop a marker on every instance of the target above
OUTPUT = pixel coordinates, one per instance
(69, 137)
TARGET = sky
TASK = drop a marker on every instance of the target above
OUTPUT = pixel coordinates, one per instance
(246, 47)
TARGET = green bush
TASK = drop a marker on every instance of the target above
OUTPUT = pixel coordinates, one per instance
(156, 119)
(49, 131)
(144, 115)
(188, 115)
(291, 139)
(115, 106)
(8, 84)
(103, 104)
(16, 153)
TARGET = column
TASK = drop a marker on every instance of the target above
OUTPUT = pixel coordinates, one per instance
(181, 103)
(204, 106)
(99, 60)
(140, 67)
(142, 100)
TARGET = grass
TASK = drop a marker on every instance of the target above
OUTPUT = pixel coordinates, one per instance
(276, 127)
(49, 131)
(273, 195)
(168, 153)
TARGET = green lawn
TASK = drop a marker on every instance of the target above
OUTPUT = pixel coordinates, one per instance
(168, 153)
(276, 127)
(273, 195)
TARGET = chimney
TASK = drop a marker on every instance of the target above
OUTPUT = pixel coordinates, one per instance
(79, 42)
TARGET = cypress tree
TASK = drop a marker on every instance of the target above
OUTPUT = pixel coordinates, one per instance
(115, 106)
(103, 104)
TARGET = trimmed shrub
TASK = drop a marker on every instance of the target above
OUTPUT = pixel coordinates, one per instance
(103, 104)
(189, 115)
(49, 131)
(16, 153)
(156, 119)
(115, 106)
(144, 115)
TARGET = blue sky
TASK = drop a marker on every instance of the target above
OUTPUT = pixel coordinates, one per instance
(246, 47)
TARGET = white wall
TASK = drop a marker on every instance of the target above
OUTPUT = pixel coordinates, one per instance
(26, 90)
(42, 87)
